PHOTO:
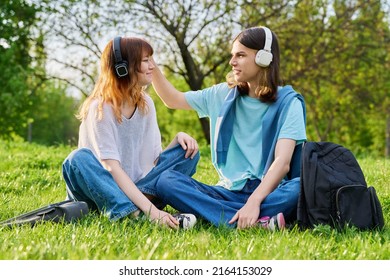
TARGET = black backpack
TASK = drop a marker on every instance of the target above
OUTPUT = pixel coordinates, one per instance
(334, 190)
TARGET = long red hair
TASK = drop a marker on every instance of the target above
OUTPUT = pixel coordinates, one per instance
(116, 91)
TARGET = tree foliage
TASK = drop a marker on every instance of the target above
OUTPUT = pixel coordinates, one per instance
(52, 121)
(31, 106)
(18, 18)
(194, 35)
(335, 52)
(75, 34)
(335, 57)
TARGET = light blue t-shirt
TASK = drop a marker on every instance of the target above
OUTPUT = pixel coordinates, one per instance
(245, 148)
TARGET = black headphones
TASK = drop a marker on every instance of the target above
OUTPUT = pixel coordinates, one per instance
(120, 64)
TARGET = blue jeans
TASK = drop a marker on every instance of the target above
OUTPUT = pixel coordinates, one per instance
(87, 180)
(217, 204)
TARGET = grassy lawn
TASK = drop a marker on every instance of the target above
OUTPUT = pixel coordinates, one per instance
(30, 177)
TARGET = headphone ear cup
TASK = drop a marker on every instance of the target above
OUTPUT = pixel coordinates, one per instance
(121, 69)
(263, 58)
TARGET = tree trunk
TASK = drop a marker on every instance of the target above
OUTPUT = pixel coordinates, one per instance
(29, 132)
(206, 128)
(387, 149)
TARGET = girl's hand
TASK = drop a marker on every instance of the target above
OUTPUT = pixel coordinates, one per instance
(188, 144)
(163, 218)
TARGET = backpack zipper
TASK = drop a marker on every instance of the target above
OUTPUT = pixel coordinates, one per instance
(337, 203)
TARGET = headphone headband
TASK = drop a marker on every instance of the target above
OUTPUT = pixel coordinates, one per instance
(268, 39)
(116, 47)
(120, 64)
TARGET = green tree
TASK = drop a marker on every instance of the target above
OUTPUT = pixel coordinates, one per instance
(53, 119)
(333, 53)
(366, 73)
(18, 19)
(193, 36)
(75, 33)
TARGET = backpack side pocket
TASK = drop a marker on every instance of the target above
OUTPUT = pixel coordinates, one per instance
(354, 207)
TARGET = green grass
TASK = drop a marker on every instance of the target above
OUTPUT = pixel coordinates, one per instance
(30, 177)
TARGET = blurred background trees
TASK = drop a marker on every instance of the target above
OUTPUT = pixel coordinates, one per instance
(336, 53)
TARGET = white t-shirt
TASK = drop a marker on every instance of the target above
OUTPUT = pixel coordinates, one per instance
(135, 143)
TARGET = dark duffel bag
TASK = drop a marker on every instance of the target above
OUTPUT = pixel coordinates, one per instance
(64, 211)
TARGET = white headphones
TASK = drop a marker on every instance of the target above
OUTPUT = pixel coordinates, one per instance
(264, 56)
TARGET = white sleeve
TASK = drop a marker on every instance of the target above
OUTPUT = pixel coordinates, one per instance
(101, 136)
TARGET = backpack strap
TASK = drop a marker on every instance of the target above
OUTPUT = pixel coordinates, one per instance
(295, 164)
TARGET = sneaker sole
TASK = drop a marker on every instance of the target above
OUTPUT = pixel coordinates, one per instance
(280, 220)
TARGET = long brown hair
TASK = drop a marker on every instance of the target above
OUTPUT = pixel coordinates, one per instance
(269, 80)
(116, 91)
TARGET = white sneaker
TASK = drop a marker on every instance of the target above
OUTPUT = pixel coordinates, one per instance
(186, 221)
